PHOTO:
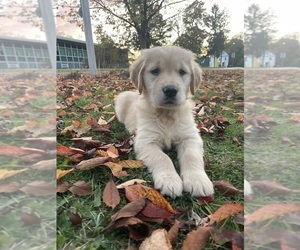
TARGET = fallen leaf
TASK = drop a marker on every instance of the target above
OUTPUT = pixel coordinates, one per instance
(38, 188)
(225, 211)
(129, 210)
(271, 235)
(112, 152)
(67, 151)
(130, 182)
(62, 187)
(45, 165)
(80, 188)
(131, 163)
(111, 196)
(60, 173)
(10, 187)
(138, 229)
(205, 199)
(271, 211)
(4, 173)
(29, 219)
(91, 163)
(197, 239)
(116, 169)
(235, 237)
(225, 187)
(158, 207)
(15, 151)
(173, 232)
(75, 219)
(157, 240)
(271, 187)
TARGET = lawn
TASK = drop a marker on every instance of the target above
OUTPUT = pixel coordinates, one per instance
(272, 140)
(86, 122)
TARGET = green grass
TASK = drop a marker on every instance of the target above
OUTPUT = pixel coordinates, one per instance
(267, 156)
(224, 160)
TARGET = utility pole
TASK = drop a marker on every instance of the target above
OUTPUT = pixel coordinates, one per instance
(50, 30)
(85, 10)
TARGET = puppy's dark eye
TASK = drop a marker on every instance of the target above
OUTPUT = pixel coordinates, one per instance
(182, 72)
(155, 71)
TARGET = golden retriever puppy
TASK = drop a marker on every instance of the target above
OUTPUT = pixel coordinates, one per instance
(160, 114)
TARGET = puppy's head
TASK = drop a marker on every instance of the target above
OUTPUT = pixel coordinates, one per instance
(165, 74)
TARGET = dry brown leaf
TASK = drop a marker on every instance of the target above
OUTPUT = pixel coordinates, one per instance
(129, 210)
(173, 232)
(131, 163)
(159, 207)
(157, 240)
(111, 195)
(15, 151)
(138, 229)
(38, 188)
(225, 211)
(60, 173)
(67, 151)
(62, 187)
(271, 187)
(197, 239)
(45, 165)
(91, 163)
(130, 182)
(10, 187)
(116, 169)
(112, 152)
(80, 188)
(225, 187)
(271, 211)
(4, 173)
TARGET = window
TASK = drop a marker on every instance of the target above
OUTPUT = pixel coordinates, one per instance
(29, 52)
(62, 51)
(69, 52)
(46, 53)
(38, 53)
(20, 52)
(9, 51)
(75, 53)
(11, 58)
(22, 59)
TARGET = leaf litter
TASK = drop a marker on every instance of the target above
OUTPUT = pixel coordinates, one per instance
(146, 205)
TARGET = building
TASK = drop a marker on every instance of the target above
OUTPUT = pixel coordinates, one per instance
(23, 53)
(71, 53)
(20, 53)
(221, 61)
(267, 60)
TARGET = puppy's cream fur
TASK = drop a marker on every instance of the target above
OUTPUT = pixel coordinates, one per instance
(161, 122)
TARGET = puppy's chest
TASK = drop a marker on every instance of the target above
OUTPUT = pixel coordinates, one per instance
(169, 131)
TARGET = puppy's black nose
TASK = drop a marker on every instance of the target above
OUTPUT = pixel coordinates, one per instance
(170, 91)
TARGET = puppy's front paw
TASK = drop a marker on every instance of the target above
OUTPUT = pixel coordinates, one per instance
(169, 183)
(197, 183)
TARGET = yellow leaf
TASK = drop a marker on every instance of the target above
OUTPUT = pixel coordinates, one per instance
(60, 173)
(116, 169)
(4, 173)
(131, 163)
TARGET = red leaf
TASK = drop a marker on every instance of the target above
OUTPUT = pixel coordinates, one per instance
(80, 188)
(111, 195)
(38, 188)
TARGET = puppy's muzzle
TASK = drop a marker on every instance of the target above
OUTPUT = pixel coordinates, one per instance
(170, 91)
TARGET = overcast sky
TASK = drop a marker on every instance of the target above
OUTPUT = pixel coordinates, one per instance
(286, 13)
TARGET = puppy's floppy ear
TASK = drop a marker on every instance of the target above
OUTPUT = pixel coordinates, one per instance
(196, 77)
(137, 72)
